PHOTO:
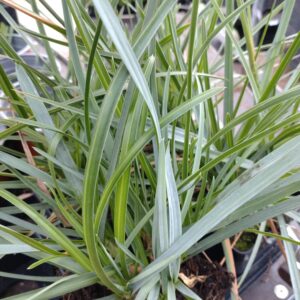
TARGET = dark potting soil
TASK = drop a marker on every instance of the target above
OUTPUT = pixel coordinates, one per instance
(88, 293)
(215, 281)
(20, 287)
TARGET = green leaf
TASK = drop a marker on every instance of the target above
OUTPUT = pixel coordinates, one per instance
(15, 248)
(160, 234)
(174, 213)
(68, 285)
(29, 241)
(273, 235)
(184, 290)
(29, 277)
(291, 258)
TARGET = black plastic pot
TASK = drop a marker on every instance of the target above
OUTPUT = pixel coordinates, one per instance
(185, 2)
(241, 259)
(17, 41)
(11, 12)
(266, 256)
(262, 7)
(18, 264)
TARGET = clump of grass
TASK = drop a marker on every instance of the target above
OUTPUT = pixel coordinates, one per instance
(141, 156)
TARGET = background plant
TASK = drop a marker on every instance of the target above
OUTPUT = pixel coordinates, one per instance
(133, 163)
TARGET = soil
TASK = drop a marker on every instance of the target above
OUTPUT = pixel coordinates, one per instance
(213, 284)
(214, 280)
(88, 293)
(20, 287)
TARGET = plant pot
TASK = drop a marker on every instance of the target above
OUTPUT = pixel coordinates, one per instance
(12, 12)
(261, 8)
(17, 42)
(268, 253)
(241, 259)
(18, 264)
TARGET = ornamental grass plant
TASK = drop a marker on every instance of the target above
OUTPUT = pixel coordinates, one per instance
(139, 151)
